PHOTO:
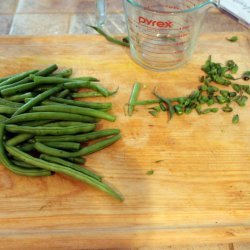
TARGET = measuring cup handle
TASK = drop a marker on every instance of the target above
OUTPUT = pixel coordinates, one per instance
(100, 12)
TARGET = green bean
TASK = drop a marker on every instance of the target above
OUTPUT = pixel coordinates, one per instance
(9, 103)
(65, 124)
(35, 123)
(50, 69)
(79, 138)
(84, 151)
(44, 103)
(36, 100)
(63, 93)
(49, 116)
(70, 130)
(23, 81)
(57, 80)
(86, 94)
(60, 169)
(19, 88)
(63, 73)
(93, 105)
(108, 37)
(6, 77)
(133, 97)
(3, 118)
(75, 110)
(145, 102)
(7, 110)
(27, 147)
(19, 98)
(77, 160)
(23, 164)
(18, 139)
(76, 84)
(85, 78)
(12, 167)
(97, 87)
(70, 165)
(72, 146)
(18, 77)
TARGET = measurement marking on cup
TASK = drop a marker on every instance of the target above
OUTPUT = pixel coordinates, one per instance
(159, 53)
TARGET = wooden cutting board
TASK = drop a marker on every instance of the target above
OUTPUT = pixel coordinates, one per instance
(200, 189)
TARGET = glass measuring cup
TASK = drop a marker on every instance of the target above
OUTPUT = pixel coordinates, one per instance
(162, 33)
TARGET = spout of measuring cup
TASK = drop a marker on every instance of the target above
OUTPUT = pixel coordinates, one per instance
(100, 12)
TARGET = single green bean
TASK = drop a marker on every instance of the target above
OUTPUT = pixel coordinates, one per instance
(42, 130)
(133, 97)
(86, 94)
(145, 102)
(50, 69)
(18, 139)
(72, 146)
(18, 77)
(60, 169)
(70, 165)
(35, 123)
(79, 160)
(3, 118)
(57, 80)
(12, 167)
(49, 116)
(23, 164)
(19, 88)
(36, 100)
(75, 110)
(63, 93)
(10, 103)
(40, 147)
(65, 124)
(19, 98)
(6, 77)
(108, 37)
(79, 138)
(7, 110)
(93, 105)
(63, 73)
(97, 87)
(76, 84)
(23, 81)
(27, 147)
(86, 78)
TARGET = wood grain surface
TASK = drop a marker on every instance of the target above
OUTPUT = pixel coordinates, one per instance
(199, 192)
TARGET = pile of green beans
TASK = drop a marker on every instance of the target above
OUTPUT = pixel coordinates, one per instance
(43, 130)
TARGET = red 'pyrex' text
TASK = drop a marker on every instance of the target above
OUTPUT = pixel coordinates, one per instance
(153, 23)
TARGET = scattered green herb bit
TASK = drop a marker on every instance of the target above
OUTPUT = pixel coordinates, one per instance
(202, 78)
(156, 108)
(232, 94)
(246, 75)
(203, 88)
(236, 87)
(222, 99)
(235, 119)
(108, 37)
(179, 109)
(153, 112)
(150, 172)
(227, 108)
(210, 102)
(229, 76)
(163, 107)
(158, 161)
(224, 93)
(232, 39)
(241, 101)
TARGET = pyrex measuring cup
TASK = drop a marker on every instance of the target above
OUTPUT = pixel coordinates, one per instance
(162, 33)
